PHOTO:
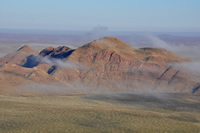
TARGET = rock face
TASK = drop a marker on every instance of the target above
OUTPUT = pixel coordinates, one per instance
(60, 52)
(105, 63)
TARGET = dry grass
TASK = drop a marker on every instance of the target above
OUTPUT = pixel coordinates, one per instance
(99, 113)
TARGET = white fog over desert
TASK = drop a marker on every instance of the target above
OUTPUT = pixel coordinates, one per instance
(100, 66)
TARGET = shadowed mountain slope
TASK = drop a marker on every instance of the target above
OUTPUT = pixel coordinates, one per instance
(19, 57)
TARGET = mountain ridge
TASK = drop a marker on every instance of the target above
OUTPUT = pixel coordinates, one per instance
(108, 63)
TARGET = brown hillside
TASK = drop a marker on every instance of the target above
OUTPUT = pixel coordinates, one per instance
(18, 57)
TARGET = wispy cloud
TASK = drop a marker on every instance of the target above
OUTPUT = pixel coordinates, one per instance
(191, 67)
(61, 63)
(33, 61)
(157, 42)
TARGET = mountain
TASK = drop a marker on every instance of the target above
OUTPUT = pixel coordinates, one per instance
(19, 57)
(104, 64)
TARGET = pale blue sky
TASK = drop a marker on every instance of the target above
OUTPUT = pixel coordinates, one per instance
(126, 15)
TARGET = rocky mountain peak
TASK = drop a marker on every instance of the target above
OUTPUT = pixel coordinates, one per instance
(107, 42)
(26, 49)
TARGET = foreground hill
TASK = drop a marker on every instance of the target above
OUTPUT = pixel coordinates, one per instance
(106, 64)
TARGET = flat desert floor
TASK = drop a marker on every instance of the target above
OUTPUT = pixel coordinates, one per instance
(101, 113)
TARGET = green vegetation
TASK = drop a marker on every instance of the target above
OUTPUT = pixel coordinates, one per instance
(99, 113)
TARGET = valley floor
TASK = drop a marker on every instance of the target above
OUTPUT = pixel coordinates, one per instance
(101, 113)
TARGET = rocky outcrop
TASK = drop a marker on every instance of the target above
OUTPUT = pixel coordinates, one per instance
(60, 52)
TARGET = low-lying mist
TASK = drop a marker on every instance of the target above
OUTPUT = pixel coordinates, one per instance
(61, 63)
(190, 51)
(33, 61)
(139, 99)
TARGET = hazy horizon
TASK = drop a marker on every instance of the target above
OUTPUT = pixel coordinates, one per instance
(132, 15)
(99, 31)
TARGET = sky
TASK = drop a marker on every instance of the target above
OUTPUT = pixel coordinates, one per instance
(115, 15)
